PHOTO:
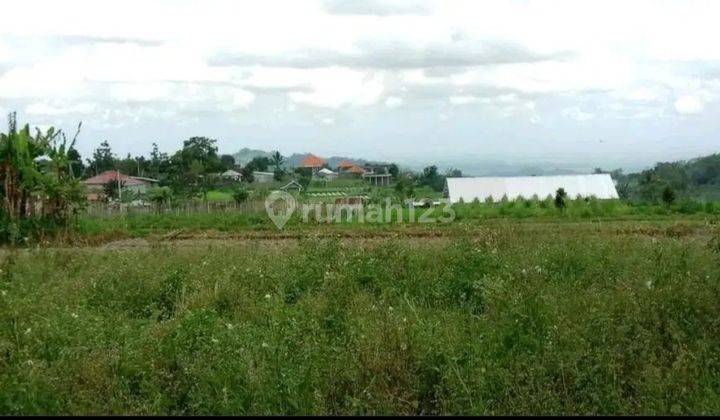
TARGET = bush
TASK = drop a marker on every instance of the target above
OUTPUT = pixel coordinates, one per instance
(240, 195)
(560, 198)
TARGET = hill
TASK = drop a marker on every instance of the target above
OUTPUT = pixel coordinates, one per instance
(695, 178)
(245, 155)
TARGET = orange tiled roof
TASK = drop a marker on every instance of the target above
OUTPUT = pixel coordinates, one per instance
(354, 169)
(312, 161)
(345, 164)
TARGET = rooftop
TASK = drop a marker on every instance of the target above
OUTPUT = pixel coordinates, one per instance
(312, 161)
(107, 176)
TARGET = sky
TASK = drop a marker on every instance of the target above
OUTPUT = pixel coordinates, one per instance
(575, 83)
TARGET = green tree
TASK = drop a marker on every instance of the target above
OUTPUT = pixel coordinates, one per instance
(247, 174)
(159, 196)
(76, 164)
(228, 162)
(394, 170)
(258, 163)
(453, 173)
(103, 159)
(560, 198)
(432, 178)
(405, 186)
(668, 195)
(277, 160)
(240, 195)
(304, 177)
(278, 174)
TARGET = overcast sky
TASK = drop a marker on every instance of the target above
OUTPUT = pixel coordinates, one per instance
(593, 82)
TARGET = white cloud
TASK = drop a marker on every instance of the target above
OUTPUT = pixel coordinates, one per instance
(336, 87)
(465, 100)
(52, 109)
(135, 61)
(393, 102)
(688, 104)
(577, 114)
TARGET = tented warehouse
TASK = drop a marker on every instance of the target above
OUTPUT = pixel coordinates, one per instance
(600, 186)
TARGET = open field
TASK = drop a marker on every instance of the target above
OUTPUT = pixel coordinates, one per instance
(494, 317)
(252, 217)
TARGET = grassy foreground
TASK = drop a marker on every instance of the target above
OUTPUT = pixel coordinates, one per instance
(510, 319)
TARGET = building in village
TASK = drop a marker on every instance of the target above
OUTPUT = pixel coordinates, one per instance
(231, 175)
(263, 177)
(95, 186)
(312, 162)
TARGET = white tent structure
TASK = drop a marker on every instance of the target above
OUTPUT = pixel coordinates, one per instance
(600, 186)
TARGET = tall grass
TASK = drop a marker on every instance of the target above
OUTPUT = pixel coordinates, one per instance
(509, 320)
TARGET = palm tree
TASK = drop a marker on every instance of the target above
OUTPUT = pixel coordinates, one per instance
(277, 160)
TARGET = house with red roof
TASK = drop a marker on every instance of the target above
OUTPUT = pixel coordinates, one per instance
(312, 161)
(344, 164)
(94, 186)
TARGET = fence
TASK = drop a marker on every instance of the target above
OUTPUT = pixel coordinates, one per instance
(100, 209)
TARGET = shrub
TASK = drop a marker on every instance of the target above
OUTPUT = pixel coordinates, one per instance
(560, 198)
(240, 195)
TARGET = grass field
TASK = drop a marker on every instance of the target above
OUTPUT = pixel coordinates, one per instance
(501, 317)
(100, 229)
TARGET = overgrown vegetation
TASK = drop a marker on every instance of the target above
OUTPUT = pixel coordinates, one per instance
(696, 178)
(38, 188)
(524, 319)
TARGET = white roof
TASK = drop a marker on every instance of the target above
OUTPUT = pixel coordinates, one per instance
(230, 172)
(600, 186)
(326, 171)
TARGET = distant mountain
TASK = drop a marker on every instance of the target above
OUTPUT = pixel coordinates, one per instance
(245, 155)
(332, 161)
(501, 168)
(469, 167)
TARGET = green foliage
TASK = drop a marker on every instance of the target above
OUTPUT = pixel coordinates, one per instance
(258, 163)
(278, 174)
(394, 170)
(28, 181)
(668, 195)
(697, 178)
(304, 181)
(159, 196)
(277, 160)
(103, 159)
(405, 186)
(112, 188)
(560, 197)
(432, 178)
(228, 162)
(240, 195)
(506, 320)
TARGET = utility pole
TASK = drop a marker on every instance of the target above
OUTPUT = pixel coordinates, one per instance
(119, 185)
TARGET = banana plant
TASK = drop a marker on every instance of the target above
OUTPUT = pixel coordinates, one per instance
(19, 172)
(37, 168)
